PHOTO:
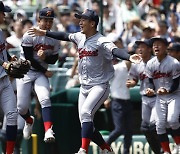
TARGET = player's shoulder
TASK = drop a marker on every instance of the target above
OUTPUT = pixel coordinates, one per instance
(77, 36)
(102, 39)
(26, 35)
(152, 62)
(172, 59)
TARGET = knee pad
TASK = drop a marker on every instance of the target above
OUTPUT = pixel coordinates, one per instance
(11, 117)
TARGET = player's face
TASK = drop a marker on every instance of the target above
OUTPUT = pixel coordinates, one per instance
(159, 48)
(144, 51)
(86, 25)
(2, 17)
(45, 24)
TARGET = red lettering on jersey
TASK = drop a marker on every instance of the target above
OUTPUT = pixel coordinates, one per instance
(157, 75)
(44, 46)
(142, 76)
(2, 47)
(84, 53)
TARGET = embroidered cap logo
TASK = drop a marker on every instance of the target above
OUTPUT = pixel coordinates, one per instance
(48, 13)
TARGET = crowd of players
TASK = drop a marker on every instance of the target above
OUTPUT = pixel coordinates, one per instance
(132, 21)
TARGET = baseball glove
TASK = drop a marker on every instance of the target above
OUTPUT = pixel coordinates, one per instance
(18, 68)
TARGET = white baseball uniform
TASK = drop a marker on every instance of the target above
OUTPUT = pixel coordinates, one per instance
(35, 78)
(95, 70)
(7, 96)
(167, 106)
(137, 72)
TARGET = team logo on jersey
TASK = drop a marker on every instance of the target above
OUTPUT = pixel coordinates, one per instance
(84, 53)
(44, 46)
(48, 13)
(142, 76)
(159, 74)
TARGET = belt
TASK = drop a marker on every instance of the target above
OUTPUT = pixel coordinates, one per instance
(120, 100)
(150, 96)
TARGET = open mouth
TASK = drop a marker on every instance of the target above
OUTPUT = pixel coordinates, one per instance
(156, 50)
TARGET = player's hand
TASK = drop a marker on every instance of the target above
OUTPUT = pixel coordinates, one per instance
(130, 83)
(107, 103)
(162, 91)
(14, 58)
(34, 31)
(41, 54)
(135, 58)
(149, 92)
(48, 74)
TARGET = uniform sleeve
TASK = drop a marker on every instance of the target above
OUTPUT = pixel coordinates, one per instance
(109, 46)
(176, 69)
(27, 40)
(106, 44)
(75, 37)
(133, 72)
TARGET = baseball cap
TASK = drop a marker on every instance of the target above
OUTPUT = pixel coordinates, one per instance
(160, 38)
(46, 13)
(174, 47)
(88, 14)
(4, 8)
(145, 41)
(20, 14)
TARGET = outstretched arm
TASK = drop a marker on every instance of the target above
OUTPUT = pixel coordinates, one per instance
(122, 54)
(56, 35)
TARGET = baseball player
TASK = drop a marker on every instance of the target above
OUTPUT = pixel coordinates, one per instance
(174, 51)
(95, 70)
(164, 71)
(7, 96)
(136, 73)
(41, 51)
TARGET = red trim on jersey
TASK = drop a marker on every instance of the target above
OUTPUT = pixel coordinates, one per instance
(47, 125)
